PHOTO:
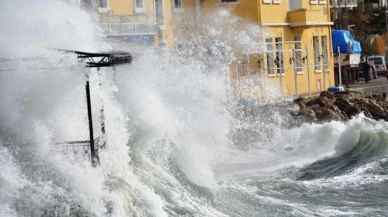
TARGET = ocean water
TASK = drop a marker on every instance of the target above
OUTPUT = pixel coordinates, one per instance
(177, 143)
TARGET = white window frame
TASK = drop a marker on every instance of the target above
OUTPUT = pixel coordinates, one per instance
(322, 2)
(313, 2)
(178, 9)
(267, 1)
(104, 9)
(276, 1)
(298, 59)
(139, 9)
(279, 55)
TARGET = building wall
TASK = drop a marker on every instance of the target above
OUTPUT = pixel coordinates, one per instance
(313, 20)
(321, 78)
(276, 21)
(121, 7)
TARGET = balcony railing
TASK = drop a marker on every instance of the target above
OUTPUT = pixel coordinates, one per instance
(343, 3)
(137, 18)
(121, 29)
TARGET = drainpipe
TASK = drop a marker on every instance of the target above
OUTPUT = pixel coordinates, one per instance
(197, 13)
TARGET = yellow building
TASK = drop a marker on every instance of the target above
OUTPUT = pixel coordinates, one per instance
(134, 23)
(294, 55)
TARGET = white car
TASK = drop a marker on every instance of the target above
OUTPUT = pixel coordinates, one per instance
(379, 62)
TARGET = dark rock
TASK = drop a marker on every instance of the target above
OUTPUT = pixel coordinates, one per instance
(378, 97)
(372, 106)
(342, 106)
(328, 115)
(342, 103)
(309, 113)
(322, 101)
(335, 108)
(366, 112)
(327, 94)
(299, 99)
(352, 111)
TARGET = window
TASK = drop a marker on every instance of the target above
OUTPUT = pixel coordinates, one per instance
(139, 6)
(294, 5)
(102, 3)
(376, 60)
(272, 1)
(279, 55)
(177, 3)
(87, 5)
(226, 1)
(178, 7)
(270, 62)
(322, 2)
(103, 6)
(325, 53)
(159, 12)
(313, 2)
(317, 57)
(298, 55)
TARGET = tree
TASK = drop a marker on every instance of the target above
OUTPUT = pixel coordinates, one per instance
(377, 19)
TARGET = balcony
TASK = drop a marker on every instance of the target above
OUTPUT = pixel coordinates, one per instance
(122, 29)
(343, 3)
(304, 17)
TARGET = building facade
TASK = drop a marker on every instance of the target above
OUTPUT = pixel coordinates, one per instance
(134, 23)
(295, 52)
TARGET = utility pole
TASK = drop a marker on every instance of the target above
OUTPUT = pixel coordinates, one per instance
(340, 14)
(346, 14)
(386, 30)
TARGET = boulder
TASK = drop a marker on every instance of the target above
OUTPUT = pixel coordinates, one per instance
(372, 106)
(342, 103)
(321, 101)
(309, 113)
(327, 114)
(352, 111)
(342, 106)
(327, 94)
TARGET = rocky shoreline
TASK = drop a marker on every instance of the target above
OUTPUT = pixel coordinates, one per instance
(341, 106)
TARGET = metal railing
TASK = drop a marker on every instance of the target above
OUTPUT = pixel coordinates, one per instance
(343, 3)
(121, 29)
(138, 18)
(284, 60)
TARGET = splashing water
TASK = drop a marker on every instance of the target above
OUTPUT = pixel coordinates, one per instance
(176, 145)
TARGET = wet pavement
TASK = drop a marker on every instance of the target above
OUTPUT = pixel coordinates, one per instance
(372, 83)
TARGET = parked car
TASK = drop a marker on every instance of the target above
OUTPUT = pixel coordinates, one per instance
(379, 62)
(372, 71)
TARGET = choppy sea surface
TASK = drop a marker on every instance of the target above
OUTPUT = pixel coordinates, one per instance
(177, 143)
